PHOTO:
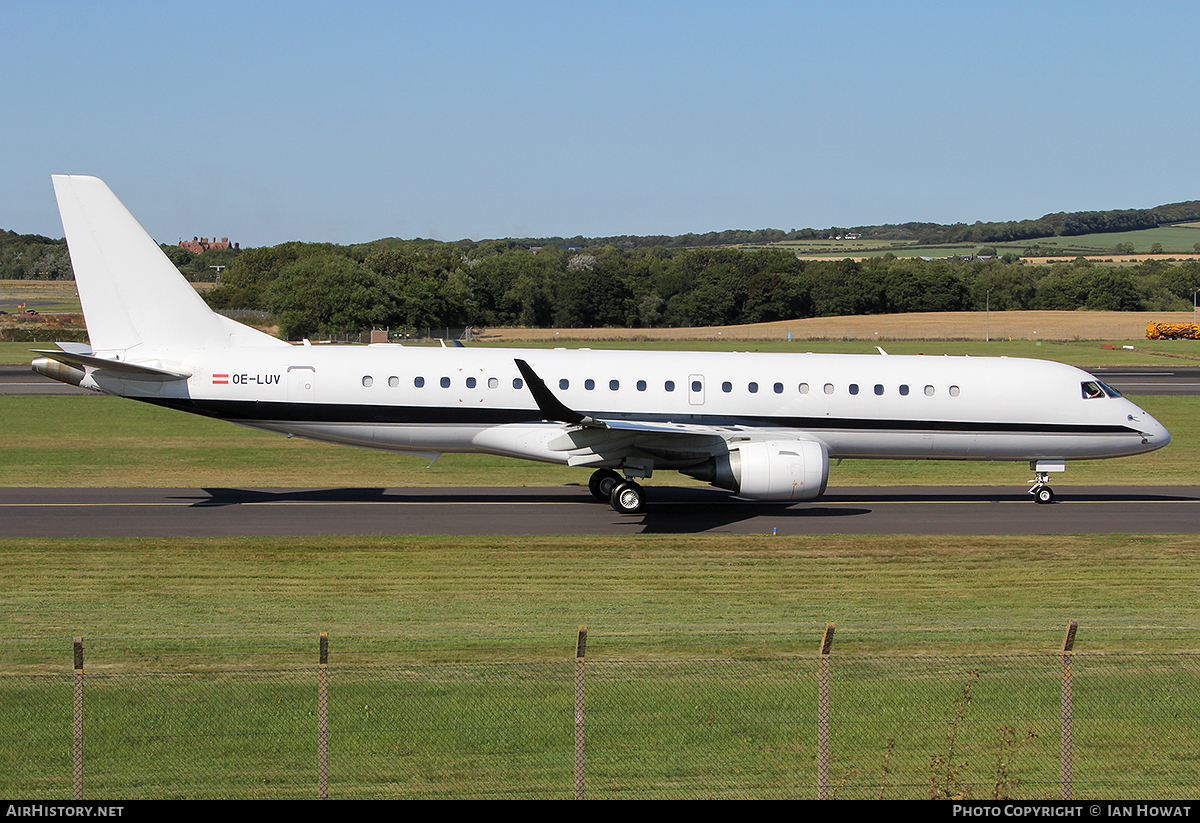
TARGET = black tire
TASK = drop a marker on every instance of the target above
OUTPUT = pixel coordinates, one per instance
(628, 498)
(602, 483)
(1044, 495)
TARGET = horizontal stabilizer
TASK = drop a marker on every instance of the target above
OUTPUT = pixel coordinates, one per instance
(128, 371)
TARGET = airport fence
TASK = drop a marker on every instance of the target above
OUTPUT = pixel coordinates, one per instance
(171, 724)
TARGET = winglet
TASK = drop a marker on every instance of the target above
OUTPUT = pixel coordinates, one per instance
(550, 406)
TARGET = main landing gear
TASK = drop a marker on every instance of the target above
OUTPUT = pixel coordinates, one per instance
(625, 496)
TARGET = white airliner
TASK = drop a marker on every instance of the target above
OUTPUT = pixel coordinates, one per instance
(763, 426)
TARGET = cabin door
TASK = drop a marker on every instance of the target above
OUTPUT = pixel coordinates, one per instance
(301, 384)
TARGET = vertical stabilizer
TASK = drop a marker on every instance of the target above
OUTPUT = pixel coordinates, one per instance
(132, 295)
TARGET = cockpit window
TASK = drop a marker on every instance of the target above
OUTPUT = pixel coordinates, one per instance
(1091, 389)
(1109, 390)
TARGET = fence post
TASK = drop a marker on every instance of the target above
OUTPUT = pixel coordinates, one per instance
(823, 714)
(580, 645)
(1065, 747)
(77, 725)
(323, 719)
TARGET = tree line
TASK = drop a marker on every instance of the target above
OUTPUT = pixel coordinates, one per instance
(320, 288)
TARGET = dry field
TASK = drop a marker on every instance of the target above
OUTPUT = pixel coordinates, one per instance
(1015, 325)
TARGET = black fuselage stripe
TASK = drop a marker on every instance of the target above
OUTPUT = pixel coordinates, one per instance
(251, 411)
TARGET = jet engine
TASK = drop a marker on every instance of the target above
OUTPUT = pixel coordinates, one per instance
(58, 371)
(768, 470)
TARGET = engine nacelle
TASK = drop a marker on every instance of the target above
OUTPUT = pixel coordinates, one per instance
(769, 470)
(58, 371)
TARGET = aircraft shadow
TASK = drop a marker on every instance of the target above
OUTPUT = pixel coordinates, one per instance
(672, 510)
(691, 518)
(236, 497)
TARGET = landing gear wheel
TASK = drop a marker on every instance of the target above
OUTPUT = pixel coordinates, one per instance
(628, 498)
(1043, 494)
(602, 483)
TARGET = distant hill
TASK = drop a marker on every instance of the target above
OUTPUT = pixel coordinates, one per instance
(34, 257)
(1059, 224)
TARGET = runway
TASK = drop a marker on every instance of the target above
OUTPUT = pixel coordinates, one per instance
(87, 513)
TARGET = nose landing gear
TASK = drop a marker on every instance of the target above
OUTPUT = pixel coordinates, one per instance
(1041, 490)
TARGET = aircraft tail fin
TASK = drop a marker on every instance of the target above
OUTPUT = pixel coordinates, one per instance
(132, 295)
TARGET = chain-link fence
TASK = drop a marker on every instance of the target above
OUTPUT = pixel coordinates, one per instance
(1032, 726)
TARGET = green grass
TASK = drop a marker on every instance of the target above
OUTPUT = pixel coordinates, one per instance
(100, 441)
(451, 670)
(651, 597)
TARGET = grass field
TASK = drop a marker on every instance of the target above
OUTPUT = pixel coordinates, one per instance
(451, 664)
(1178, 240)
(42, 295)
(441, 599)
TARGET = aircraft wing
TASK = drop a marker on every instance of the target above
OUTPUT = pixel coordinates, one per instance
(604, 441)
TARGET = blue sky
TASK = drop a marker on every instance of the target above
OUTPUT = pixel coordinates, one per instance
(346, 122)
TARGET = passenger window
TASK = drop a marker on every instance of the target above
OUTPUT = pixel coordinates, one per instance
(879, 388)
(518, 383)
(589, 384)
(445, 382)
(903, 390)
(670, 385)
(393, 382)
(419, 382)
(493, 383)
(778, 388)
(929, 391)
(564, 384)
(367, 381)
(641, 385)
(727, 387)
(470, 382)
(697, 386)
(854, 388)
(829, 388)
(804, 388)
(614, 385)
(954, 391)
(753, 388)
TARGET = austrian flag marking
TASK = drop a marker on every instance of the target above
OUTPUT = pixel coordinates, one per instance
(220, 379)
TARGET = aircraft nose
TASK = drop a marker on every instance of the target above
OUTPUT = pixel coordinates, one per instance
(1154, 433)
